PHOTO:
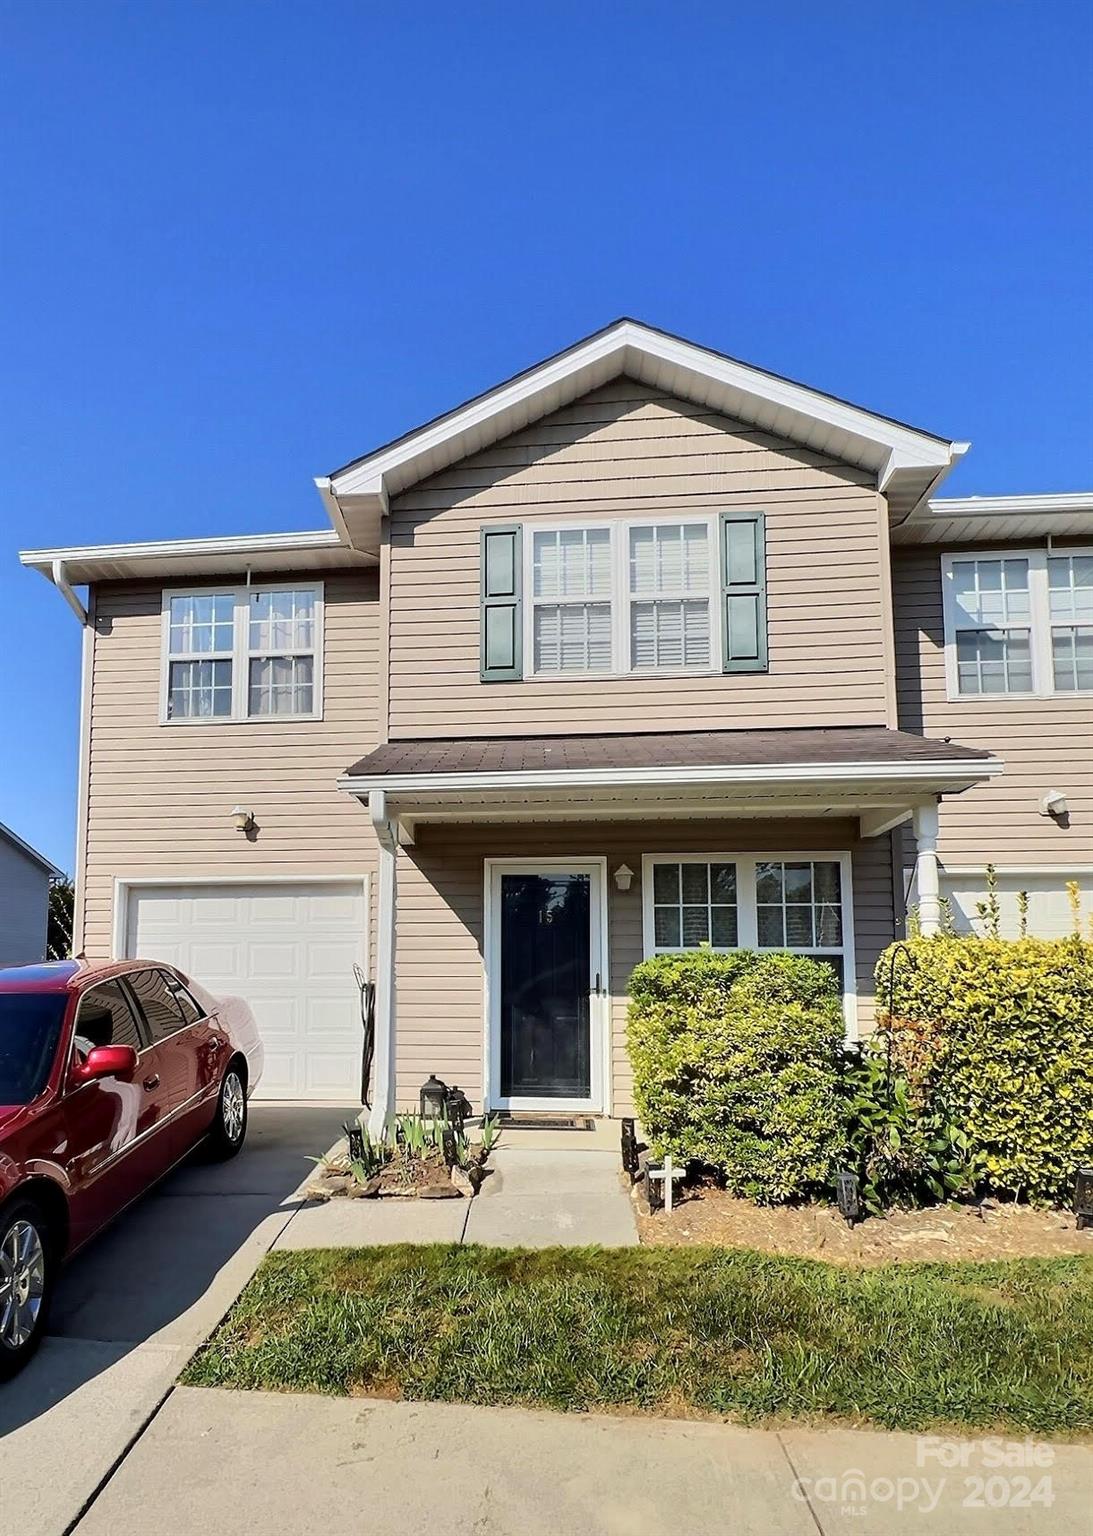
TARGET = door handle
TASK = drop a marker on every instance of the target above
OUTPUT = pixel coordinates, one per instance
(596, 989)
(215, 1042)
(151, 1082)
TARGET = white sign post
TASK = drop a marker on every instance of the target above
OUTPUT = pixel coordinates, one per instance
(667, 1174)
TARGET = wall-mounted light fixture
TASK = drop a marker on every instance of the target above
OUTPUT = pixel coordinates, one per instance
(623, 876)
(242, 819)
(1054, 803)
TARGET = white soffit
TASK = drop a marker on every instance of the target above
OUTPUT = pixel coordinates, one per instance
(974, 519)
(320, 550)
(908, 463)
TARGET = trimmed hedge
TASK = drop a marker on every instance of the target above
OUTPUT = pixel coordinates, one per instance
(736, 1061)
(996, 1036)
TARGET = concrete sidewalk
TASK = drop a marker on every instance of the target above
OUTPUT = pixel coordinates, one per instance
(252, 1462)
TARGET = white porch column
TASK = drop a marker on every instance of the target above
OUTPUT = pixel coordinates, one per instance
(926, 878)
(383, 1059)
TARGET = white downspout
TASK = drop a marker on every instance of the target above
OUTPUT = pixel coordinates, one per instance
(928, 887)
(64, 587)
(383, 1060)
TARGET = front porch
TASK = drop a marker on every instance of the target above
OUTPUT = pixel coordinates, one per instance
(521, 882)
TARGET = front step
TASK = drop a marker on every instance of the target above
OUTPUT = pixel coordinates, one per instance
(560, 1133)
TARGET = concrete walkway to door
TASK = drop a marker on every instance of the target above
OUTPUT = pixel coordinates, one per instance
(531, 1199)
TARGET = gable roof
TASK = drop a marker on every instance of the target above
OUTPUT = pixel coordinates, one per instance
(32, 853)
(909, 463)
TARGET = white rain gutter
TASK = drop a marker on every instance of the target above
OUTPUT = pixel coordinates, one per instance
(383, 1058)
(64, 587)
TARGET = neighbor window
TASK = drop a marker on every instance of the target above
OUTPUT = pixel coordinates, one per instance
(1019, 623)
(244, 653)
(625, 597)
(751, 901)
(1070, 608)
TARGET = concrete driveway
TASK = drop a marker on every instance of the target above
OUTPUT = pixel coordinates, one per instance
(134, 1305)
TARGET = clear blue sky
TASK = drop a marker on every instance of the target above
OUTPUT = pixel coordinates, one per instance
(241, 243)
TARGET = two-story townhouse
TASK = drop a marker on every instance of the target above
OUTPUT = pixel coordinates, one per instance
(642, 649)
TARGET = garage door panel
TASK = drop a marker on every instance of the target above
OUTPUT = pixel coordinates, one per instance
(290, 951)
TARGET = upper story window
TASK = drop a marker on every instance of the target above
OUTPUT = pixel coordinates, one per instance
(242, 653)
(623, 597)
(629, 597)
(1018, 623)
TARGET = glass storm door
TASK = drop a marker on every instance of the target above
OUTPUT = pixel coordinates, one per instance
(547, 986)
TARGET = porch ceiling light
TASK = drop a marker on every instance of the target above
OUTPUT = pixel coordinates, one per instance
(242, 819)
(623, 876)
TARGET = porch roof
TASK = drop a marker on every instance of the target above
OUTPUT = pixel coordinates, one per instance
(876, 774)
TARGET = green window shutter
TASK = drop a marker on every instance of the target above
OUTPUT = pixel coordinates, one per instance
(502, 622)
(744, 592)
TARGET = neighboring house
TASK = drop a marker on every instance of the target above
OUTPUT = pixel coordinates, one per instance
(641, 649)
(25, 876)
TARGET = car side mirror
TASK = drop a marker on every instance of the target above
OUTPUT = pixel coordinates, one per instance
(106, 1061)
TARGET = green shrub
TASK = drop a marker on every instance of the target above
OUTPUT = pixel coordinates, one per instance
(903, 1152)
(736, 1064)
(996, 1036)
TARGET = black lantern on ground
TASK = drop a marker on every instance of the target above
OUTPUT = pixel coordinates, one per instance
(457, 1107)
(846, 1193)
(629, 1148)
(434, 1099)
(447, 1142)
(355, 1137)
(1083, 1196)
(654, 1191)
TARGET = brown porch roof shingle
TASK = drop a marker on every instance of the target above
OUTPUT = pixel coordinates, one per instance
(838, 745)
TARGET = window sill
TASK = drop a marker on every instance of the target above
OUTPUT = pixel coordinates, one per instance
(204, 720)
(1020, 698)
(622, 677)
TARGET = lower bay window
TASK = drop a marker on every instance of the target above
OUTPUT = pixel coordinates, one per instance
(242, 653)
(795, 902)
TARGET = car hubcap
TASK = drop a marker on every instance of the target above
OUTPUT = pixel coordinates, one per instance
(22, 1283)
(233, 1102)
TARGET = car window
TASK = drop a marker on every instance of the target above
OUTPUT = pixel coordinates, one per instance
(162, 1012)
(30, 1026)
(191, 1008)
(104, 1017)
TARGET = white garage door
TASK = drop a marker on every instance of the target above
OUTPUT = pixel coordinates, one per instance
(289, 950)
(1049, 914)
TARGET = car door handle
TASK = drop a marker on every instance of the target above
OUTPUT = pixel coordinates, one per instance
(215, 1042)
(151, 1082)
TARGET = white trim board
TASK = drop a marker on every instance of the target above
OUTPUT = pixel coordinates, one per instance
(895, 451)
(600, 1097)
(747, 934)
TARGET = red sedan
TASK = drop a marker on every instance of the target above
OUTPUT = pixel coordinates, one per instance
(109, 1075)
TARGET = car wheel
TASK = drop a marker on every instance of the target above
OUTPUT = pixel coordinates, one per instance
(28, 1268)
(230, 1126)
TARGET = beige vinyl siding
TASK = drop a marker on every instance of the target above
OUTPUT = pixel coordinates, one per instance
(1044, 743)
(160, 796)
(440, 920)
(624, 450)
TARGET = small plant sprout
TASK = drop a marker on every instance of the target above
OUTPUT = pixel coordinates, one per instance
(491, 1130)
(948, 921)
(990, 910)
(1022, 914)
(1074, 901)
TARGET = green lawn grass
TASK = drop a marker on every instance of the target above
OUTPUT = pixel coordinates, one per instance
(1007, 1345)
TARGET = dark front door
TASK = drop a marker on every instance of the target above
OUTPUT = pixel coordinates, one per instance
(546, 986)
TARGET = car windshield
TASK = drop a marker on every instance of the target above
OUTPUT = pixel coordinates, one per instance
(30, 1025)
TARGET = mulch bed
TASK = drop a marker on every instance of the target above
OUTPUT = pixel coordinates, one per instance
(705, 1215)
